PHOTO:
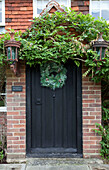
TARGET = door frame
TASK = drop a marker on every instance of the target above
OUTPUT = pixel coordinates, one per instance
(29, 152)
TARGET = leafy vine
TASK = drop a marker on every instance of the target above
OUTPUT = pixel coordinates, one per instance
(62, 36)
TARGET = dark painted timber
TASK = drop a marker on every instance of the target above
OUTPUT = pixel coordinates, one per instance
(54, 117)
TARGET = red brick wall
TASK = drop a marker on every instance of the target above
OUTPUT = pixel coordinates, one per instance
(18, 14)
(3, 125)
(16, 116)
(81, 6)
(91, 110)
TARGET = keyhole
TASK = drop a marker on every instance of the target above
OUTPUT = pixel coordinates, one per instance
(54, 95)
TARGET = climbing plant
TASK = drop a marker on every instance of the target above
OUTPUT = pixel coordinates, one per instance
(62, 36)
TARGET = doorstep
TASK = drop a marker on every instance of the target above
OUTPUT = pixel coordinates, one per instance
(57, 164)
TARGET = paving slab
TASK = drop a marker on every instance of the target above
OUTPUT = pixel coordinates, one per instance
(59, 167)
(12, 166)
(100, 167)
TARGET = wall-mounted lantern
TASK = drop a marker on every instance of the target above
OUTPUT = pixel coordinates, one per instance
(100, 47)
(12, 46)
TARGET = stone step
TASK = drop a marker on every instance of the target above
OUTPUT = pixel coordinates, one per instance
(57, 164)
(61, 161)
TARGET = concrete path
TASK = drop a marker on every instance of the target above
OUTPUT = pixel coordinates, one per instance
(57, 164)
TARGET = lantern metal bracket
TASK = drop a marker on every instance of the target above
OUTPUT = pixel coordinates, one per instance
(12, 47)
(15, 67)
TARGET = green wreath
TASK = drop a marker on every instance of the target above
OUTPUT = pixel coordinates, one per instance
(53, 75)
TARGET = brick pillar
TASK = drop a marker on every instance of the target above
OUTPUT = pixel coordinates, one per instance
(91, 109)
(16, 116)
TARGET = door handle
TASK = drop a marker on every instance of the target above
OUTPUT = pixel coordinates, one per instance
(38, 102)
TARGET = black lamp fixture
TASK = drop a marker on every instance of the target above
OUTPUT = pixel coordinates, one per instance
(100, 47)
(12, 46)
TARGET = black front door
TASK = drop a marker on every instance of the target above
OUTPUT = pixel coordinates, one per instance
(54, 117)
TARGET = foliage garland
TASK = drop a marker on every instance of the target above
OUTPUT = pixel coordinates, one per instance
(53, 75)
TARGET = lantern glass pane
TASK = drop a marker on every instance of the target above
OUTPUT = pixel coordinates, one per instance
(98, 51)
(103, 53)
(9, 53)
(13, 53)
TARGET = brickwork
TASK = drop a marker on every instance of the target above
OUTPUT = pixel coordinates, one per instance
(16, 118)
(91, 110)
(81, 6)
(18, 14)
(3, 125)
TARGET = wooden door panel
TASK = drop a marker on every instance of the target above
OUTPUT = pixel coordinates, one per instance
(52, 124)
